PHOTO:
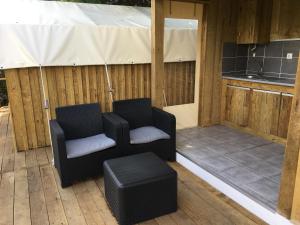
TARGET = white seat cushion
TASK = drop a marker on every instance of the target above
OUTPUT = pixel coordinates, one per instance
(147, 134)
(88, 145)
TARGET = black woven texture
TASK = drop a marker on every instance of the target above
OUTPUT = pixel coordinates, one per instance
(139, 188)
(136, 111)
(79, 121)
(89, 165)
(165, 148)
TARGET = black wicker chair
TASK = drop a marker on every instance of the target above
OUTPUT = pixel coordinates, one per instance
(146, 128)
(82, 139)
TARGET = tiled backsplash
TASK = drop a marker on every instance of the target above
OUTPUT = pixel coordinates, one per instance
(272, 58)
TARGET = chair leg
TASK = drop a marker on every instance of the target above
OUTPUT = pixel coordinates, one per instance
(65, 183)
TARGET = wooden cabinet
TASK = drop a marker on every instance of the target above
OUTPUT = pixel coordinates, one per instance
(284, 114)
(254, 21)
(258, 108)
(264, 111)
(237, 105)
(285, 19)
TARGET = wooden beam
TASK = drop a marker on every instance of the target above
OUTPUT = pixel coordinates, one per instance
(296, 201)
(289, 195)
(157, 52)
(182, 9)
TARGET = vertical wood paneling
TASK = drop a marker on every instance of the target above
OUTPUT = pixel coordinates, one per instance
(17, 108)
(77, 85)
(28, 108)
(237, 106)
(61, 86)
(37, 106)
(284, 115)
(68, 72)
(52, 89)
(180, 83)
(78, 92)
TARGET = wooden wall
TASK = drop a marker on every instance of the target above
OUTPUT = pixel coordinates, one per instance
(86, 84)
(219, 25)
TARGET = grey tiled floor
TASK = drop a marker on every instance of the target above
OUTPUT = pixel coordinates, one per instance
(249, 163)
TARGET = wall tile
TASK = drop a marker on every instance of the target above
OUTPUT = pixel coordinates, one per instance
(291, 47)
(239, 73)
(274, 49)
(242, 50)
(289, 66)
(288, 76)
(241, 63)
(272, 65)
(238, 59)
(254, 64)
(259, 50)
(228, 64)
(229, 50)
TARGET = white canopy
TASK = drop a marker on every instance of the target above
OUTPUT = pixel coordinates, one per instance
(48, 33)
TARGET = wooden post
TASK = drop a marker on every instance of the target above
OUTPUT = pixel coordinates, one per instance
(289, 195)
(157, 52)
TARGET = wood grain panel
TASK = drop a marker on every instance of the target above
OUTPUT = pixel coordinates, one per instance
(237, 105)
(17, 108)
(289, 195)
(76, 85)
(264, 113)
(28, 108)
(285, 22)
(214, 29)
(284, 115)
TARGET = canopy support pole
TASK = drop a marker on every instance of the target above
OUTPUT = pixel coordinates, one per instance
(110, 89)
(46, 104)
(157, 53)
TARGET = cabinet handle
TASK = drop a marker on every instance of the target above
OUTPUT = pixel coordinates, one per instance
(237, 87)
(269, 92)
(287, 94)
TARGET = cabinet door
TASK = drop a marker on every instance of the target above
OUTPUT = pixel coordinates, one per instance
(237, 105)
(254, 21)
(285, 19)
(264, 111)
(284, 114)
(246, 21)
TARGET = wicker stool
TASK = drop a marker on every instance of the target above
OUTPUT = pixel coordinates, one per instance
(139, 187)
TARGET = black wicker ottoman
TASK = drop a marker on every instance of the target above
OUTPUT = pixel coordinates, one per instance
(139, 187)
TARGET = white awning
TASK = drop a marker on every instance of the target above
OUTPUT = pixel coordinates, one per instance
(48, 33)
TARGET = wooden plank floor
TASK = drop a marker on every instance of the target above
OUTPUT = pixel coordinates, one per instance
(30, 194)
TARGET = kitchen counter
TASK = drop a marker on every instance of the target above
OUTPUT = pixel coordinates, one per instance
(264, 80)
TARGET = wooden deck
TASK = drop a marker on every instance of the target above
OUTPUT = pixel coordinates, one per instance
(30, 194)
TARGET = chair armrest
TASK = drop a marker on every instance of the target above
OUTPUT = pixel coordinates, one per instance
(58, 141)
(124, 126)
(112, 127)
(164, 121)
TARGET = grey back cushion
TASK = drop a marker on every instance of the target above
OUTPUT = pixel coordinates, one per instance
(80, 121)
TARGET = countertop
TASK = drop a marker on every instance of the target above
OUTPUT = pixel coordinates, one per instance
(265, 80)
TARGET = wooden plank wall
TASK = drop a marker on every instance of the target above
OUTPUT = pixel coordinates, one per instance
(219, 18)
(180, 83)
(85, 84)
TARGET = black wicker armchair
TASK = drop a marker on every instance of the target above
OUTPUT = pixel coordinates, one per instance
(146, 128)
(82, 139)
